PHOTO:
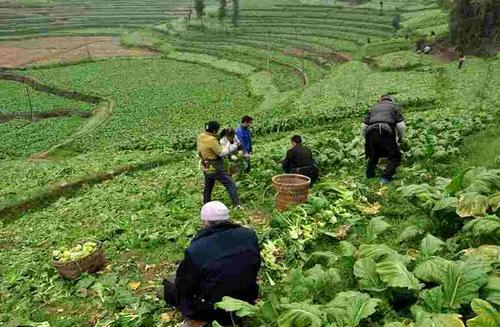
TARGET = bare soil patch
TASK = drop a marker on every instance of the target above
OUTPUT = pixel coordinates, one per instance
(37, 51)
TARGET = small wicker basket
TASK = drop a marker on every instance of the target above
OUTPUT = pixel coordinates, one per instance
(90, 264)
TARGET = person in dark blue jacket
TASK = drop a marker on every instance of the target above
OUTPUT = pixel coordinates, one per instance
(222, 260)
(245, 136)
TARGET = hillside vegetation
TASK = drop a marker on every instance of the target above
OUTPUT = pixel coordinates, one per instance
(420, 251)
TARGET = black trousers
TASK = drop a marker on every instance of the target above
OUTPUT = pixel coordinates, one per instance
(224, 318)
(382, 145)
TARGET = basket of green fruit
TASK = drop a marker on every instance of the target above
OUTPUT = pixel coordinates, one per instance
(86, 256)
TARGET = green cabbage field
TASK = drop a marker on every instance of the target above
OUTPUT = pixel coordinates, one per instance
(121, 167)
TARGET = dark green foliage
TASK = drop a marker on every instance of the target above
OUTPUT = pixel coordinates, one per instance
(199, 6)
(474, 25)
(236, 13)
(222, 10)
(396, 22)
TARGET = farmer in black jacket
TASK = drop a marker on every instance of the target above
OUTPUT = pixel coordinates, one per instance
(383, 128)
(299, 160)
(222, 260)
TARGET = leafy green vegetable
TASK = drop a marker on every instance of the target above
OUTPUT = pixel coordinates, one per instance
(433, 269)
(350, 308)
(430, 245)
(463, 281)
(487, 315)
(366, 270)
(241, 308)
(376, 226)
(301, 315)
(395, 274)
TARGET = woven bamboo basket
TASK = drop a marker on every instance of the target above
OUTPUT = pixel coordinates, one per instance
(91, 264)
(291, 189)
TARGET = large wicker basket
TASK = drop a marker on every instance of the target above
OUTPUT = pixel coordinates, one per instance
(90, 264)
(290, 189)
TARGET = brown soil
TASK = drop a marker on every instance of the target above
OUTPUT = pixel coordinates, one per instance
(62, 112)
(19, 54)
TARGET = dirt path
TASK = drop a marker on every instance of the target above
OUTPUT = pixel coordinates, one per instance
(37, 51)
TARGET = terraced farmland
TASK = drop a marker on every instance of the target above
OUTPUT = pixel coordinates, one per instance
(121, 168)
(18, 19)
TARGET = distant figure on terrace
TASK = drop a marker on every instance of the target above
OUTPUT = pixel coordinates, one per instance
(245, 136)
(299, 160)
(212, 164)
(383, 128)
(222, 260)
(461, 61)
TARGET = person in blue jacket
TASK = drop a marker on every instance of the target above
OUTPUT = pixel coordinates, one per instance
(245, 136)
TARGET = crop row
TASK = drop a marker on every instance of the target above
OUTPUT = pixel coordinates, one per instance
(159, 103)
(353, 37)
(306, 15)
(17, 97)
(319, 27)
(283, 77)
(330, 22)
(21, 138)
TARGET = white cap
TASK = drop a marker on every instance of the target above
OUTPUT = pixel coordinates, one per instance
(213, 211)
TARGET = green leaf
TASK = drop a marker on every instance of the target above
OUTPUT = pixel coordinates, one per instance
(395, 324)
(350, 308)
(439, 320)
(449, 203)
(472, 205)
(241, 308)
(326, 259)
(491, 292)
(481, 180)
(494, 202)
(366, 270)
(395, 274)
(432, 299)
(430, 245)
(377, 252)
(463, 280)
(301, 315)
(409, 233)
(489, 225)
(432, 270)
(486, 253)
(375, 227)
(487, 315)
(347, 249)
(457, 183)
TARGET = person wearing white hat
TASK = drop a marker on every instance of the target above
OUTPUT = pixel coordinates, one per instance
(223, 259)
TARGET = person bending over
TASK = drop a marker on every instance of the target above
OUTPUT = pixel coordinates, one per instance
(299, 160)
(383, 128)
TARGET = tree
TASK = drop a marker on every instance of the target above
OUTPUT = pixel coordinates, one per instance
(236, 13)
(475, 25)
(222, 10)
(199, 6)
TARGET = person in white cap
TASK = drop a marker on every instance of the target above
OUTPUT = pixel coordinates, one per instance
(223, 259)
